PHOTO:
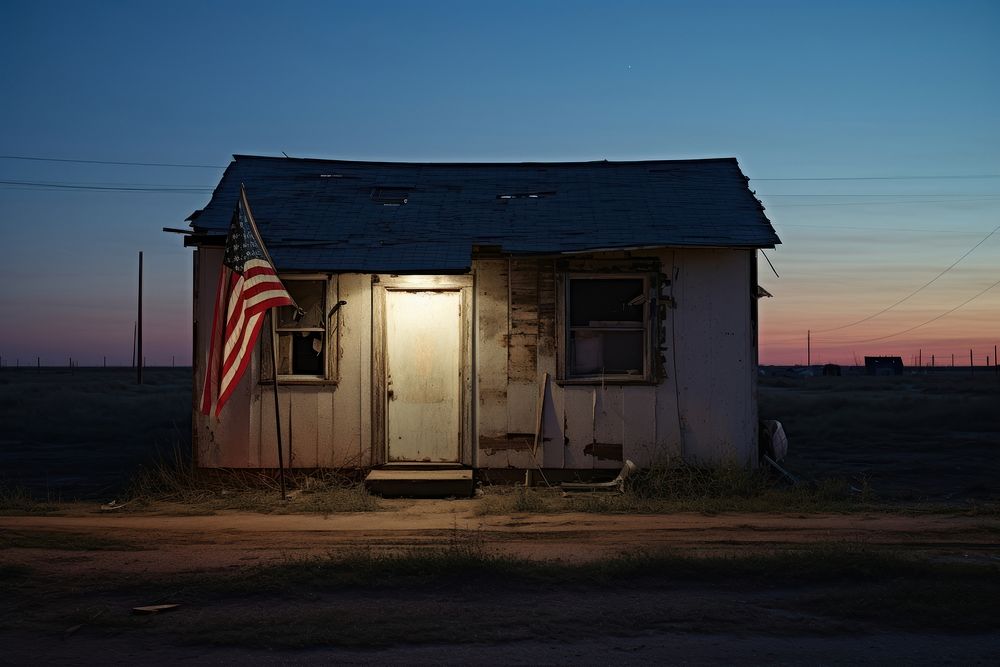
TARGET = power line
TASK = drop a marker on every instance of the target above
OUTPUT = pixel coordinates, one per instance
(933, 319)
(125, 164)
(919, 289)
(881, 178)
(107, 188)
(886, 194)
(880, 229)
(915, 202)
(795, 178)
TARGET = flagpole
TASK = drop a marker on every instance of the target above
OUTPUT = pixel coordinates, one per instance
(277, 409)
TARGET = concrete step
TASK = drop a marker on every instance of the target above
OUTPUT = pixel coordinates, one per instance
(391, 482)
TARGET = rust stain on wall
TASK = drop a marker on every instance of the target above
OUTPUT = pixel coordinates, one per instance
(605, 451)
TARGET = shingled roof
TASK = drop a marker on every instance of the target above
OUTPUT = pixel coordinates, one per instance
(335, 215)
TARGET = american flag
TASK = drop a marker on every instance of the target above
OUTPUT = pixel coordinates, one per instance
(248, 287)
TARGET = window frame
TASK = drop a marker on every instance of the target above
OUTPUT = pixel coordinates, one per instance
(331, 336)
(565, 329)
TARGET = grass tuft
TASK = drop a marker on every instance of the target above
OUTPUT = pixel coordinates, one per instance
(677, 487)
(176, 480)
(17, 500)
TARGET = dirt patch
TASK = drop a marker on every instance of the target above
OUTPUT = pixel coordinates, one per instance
(307, 588)
(230, 539)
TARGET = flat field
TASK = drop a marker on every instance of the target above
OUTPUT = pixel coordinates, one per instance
(82, 434)
(932, 436)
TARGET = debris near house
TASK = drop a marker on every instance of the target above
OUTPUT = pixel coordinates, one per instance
(772, 440)
(154, 609)
(114, 506)
(773, 446)
(617, 485)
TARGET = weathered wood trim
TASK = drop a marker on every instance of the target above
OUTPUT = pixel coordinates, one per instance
(466, 409)
(332, 341)
(650, 326)
(492, 326)
(378, 370)
(425, 282)
(381, 284)
(364, 322)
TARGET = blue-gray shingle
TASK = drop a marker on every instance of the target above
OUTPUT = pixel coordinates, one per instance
(320, 215)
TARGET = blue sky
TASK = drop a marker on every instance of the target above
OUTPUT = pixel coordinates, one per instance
(793, 89)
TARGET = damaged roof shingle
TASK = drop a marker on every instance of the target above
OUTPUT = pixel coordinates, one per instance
(328, 215)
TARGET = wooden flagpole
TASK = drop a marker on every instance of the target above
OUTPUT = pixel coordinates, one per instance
(277, 409)
(274, 344)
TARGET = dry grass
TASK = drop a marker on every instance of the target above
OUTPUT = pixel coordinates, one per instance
(677, 487)
(176, 480)
(931, 437)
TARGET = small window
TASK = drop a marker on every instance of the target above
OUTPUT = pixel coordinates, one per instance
(302, 339)
(607, 326)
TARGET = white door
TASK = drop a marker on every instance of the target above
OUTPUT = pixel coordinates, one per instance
(423, 368)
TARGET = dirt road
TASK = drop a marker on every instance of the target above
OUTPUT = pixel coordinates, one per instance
(170, 543)
(71, 581)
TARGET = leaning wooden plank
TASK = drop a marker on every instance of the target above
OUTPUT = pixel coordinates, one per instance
(539, 414)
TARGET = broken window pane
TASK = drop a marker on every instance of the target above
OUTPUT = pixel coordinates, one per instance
(605, 301)
(607, 327)
(308, 294)
(606, 352)
(307, 353)
(302, 340)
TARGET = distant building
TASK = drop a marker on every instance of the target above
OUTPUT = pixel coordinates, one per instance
(831, 370)
(883, 365)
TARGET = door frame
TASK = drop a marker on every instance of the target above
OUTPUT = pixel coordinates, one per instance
(381, 284)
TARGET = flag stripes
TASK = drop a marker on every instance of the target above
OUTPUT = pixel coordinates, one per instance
(248, 287)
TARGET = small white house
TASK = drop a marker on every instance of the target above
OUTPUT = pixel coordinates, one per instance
(493, 317)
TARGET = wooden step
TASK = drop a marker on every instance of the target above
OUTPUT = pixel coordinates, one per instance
(420, 483)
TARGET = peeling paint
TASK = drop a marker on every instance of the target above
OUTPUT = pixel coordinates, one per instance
(506, 442)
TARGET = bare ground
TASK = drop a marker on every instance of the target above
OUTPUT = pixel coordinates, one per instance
(229, 539)
(72, 580)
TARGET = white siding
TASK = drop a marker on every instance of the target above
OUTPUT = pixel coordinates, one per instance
(708, 357)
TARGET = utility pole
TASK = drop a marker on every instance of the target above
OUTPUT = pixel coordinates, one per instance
(138, 354)
(808, 347)
(972, 368)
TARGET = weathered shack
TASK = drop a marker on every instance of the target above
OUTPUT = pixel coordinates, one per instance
(493, 316)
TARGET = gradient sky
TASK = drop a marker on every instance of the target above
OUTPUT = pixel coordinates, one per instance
(795, 90)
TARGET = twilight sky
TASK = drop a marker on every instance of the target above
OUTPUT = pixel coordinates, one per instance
(870, 130)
